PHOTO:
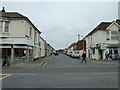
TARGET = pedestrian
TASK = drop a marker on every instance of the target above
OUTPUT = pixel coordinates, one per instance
(84, 57)
(5, 61)
(107, 55)
(113, 56)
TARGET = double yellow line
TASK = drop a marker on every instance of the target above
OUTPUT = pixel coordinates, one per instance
(5, 76)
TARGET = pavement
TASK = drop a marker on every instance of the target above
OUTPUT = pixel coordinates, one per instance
(32, 64)
(62, 72)
(111, 62)
(42, 61)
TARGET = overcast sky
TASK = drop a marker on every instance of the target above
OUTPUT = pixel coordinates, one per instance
(60, 23)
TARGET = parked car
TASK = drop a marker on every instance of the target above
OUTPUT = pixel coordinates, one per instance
(56, 53)
(69, 53)
(75, 54)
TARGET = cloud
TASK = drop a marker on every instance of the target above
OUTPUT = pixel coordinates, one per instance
(60, 23)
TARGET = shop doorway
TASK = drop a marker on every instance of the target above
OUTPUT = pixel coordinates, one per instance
(100, 54)
(6, 52)
(89, 53)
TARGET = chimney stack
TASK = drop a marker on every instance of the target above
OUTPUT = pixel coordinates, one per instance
(3, 10)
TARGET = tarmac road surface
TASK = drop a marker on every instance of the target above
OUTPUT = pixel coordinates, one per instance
(63, 72)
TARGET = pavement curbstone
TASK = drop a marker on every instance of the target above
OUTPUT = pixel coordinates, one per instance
(35, 63)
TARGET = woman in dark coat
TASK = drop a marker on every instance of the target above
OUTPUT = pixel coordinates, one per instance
(84, 58)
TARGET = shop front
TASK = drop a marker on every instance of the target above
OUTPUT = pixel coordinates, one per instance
(17, 50)
(101, 50)
(5, 50)
(22, 54)
(98, 51)
(113, 51)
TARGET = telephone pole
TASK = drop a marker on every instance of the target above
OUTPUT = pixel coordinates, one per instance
(78, 37)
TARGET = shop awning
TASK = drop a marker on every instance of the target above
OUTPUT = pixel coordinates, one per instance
(15, 46)
(5, 46)
(23, 47)
(22, 41)
(93, 46)
(110, 46)
(20, 46)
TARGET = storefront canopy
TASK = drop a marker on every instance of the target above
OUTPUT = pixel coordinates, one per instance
(113, 46)
(5, 46)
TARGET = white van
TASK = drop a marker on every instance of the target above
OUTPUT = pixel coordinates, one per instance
(75, 54)
(69, 53)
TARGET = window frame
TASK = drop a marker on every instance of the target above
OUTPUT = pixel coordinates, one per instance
(1, 26)
(4, 27)
(30, 33)
(93, 51)
(35, 36)
(110, 36)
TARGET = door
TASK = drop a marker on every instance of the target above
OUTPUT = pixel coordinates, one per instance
(101, 54)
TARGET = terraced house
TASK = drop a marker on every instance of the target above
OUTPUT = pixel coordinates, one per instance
(105, 37)
(19, 37)
(42, 47)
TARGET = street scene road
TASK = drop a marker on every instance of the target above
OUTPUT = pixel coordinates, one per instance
(61, 71)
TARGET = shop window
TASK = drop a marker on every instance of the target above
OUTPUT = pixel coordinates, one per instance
(113, 50)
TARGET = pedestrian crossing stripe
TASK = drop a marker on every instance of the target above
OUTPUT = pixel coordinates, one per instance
(5, 76)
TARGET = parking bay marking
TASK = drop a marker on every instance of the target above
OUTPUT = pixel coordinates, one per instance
(44, 62)
(5, 76)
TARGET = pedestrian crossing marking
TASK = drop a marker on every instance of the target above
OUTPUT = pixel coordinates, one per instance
(5, 76)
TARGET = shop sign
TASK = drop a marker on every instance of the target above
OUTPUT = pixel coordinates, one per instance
(93, 46)
(6, 41)
(20, 46)
(5, 46)
(16, 41)
(103, 46)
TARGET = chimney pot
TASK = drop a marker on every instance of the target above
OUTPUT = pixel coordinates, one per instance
(3, 10)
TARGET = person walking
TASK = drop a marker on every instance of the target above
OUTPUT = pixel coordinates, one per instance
(84, 57)
(107, 55)
(5, 61)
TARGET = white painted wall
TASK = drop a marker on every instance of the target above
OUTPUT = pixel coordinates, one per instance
(42, 47)
(20, 28)
(100, 37)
